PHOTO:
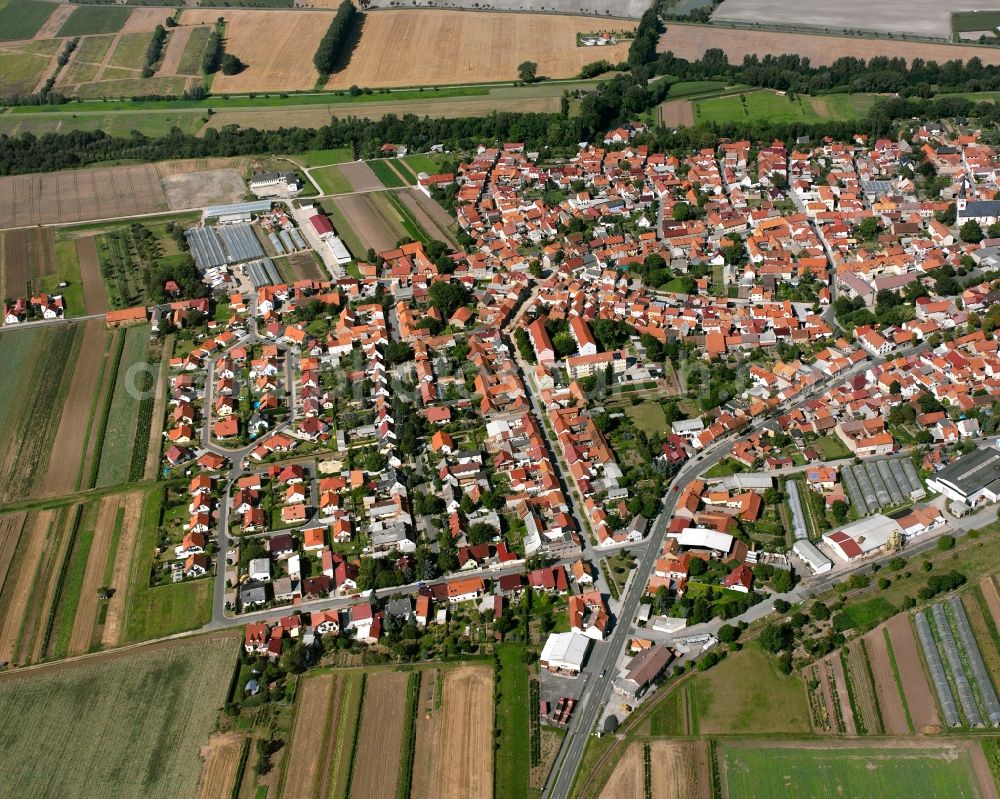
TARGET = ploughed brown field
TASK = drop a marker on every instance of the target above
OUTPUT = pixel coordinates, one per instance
(376, 761)
(691, 42)
(421, 47)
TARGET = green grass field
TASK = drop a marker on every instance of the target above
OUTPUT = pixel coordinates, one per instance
(344, 230)
(86, 20)
(119, 727)
(779, 108)
(821, 771)
(93, 49)
(511, 771)
(766, 702)
(339, 155)
(421, 163)
(21, 19)
(386, 174)
(331, 180)
(975, 21)
(345, 735)
(194, 51)
(114, 124)
(21, 69)
(686, 88)
(648, 417)
(130, 51)
(154, 612)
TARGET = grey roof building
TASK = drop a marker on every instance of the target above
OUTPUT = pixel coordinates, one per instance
(972, 479)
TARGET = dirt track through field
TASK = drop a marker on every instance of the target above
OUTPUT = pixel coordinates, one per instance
(55, 21)
(691, 42)
(111, 634)
(11, 526)
(364, 217)
(175, 50)
(360, 176)
(33, 538)
(93, 576)
(74, 423)
(626, 781)
(94, 296)
(919, 700)
(376, 761)
(220, 758)
(466, 734)
(317, 697)
(889, 701)
(676, 113)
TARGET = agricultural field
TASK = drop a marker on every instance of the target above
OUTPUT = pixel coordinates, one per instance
(77, 195)
(512, 722)
(380, 737)
(400, 48)
(770, 703)
(277, 47)
(129, 411)
(24, 65)
(779, 107)
(114, 123)
(44, 359)
(691, 41)
(22, 19)
(221, 758)
(74, 730)
(908, 769)
(387, 174)
(318, 701)
(371, 217)
(88, 20)
(331, 180)
(194, 41)
(676, 770)
(26, 257)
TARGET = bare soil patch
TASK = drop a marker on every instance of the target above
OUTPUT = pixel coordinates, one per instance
(408, 48)
(276, 46)
(691, 42)
(34, 537)
(376, 762)
(316, 695)
(111, 634)
(93, 576)
(360, 176)
(175, 50)
(626, 781)
(63, 471)
(680, 770)
(466, 734)
(988, 585)
(55, 21)
(94, 296)
(919, 700)
(676, 113)
(366, 219)
(145, 19)
(305, 267)
(200, 189)
(27, 254)
(889, 701)
(423, 213)
(11, 526)
(220, 759)
(183, 166)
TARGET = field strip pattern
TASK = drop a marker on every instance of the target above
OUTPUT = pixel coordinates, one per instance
(466, 734)
(111, 634)
(86, 612)
(316, 697)
(376, 761)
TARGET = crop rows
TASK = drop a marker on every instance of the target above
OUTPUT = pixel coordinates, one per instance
(534, 692)
(119, 440)
(405, 782)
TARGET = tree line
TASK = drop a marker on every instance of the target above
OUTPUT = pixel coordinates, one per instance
(338, 36)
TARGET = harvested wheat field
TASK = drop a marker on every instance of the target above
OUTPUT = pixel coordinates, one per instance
(376, 761)
(63, 471)
(220, 760)
(276, 46)
(626, 781)
(145, 19)
(316, 698)
(175, 50)
(680, 770)
(429, 47)
(691, 42)
(11, 525)
(465, 734)
(923, 709)
(111, 633)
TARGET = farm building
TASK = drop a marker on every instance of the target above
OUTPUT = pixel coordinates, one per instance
(702, 538)
(238, 212)
(811, 556)
(972, 479)
(268, 183)
(862, 537)
(643, 670)
(125, 317)
(565, 653)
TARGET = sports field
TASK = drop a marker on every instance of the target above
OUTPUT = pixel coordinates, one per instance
(918, 770)
(407, 48)
(123, 725)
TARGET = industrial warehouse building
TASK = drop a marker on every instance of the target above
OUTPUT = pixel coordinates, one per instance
(973, 479)
(811, 556)
(862, 537)
(565, 653)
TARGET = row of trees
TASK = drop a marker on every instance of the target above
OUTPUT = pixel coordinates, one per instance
(154, 50)
(338, 36)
